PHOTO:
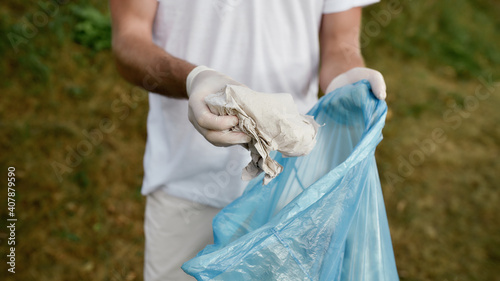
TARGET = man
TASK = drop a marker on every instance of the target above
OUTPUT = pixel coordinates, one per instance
(182, 51)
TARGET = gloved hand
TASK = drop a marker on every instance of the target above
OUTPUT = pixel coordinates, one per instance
(201, 82)
(359, 73)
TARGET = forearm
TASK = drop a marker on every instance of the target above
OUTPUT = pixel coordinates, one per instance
(143, 63)
(339, 44)
(337, 61)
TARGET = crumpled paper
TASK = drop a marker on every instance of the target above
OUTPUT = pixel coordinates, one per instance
(272, 121)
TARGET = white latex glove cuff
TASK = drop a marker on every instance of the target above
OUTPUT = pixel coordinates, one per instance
(189, 80)
(359, 73)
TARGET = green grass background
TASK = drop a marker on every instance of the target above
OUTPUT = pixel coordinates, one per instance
(443, 213)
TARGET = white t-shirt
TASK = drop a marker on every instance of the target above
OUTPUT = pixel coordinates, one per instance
(268, 45)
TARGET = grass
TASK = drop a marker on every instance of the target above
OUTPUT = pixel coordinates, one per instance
(87, 225)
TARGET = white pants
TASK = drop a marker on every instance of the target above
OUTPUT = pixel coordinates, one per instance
(176, 230)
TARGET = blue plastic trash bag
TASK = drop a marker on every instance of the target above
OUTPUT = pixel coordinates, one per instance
(322, 218)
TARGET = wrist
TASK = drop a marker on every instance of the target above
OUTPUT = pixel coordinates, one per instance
(192, 76)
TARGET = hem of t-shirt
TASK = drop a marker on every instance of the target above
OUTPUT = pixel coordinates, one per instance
(335, 7)
(216, 203)
(194, 197)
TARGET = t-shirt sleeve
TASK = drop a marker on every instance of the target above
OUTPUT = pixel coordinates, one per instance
(334, 6)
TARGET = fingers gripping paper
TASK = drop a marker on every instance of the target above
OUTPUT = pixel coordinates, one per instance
(272, 121)
(322, 218)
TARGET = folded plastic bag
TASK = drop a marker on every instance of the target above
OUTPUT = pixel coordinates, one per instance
(322, 218)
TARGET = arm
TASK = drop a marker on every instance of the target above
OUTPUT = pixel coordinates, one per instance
(143, 63)
(341, 59)
(138, 59)
(339, 44)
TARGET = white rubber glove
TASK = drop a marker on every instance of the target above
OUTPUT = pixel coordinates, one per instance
(359, 73)
(201, 82)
